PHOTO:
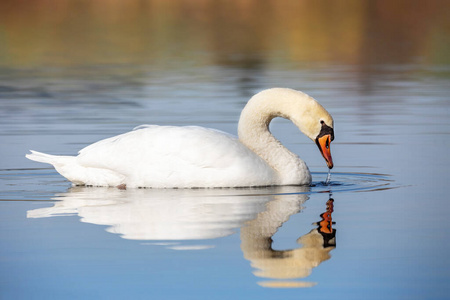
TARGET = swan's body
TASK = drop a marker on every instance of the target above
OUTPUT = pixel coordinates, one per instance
(186, 157)
(165, 157)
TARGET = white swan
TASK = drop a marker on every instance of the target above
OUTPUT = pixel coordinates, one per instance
(187, 157)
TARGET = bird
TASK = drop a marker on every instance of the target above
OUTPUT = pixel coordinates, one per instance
(153, 156)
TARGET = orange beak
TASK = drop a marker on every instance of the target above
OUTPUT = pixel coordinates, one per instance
(323, 143)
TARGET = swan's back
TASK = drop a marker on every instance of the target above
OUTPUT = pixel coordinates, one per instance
(168, 156)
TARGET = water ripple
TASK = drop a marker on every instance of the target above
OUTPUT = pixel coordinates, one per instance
(41, 184)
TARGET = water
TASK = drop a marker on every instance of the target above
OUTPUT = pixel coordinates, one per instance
(327, 181)
(376, 229)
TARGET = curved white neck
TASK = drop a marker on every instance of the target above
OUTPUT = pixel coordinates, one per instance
(253, 131)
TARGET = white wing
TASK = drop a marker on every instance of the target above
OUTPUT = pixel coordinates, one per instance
(167, 156)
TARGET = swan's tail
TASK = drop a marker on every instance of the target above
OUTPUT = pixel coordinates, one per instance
(65, 165)
(43, 158)
(69, 167)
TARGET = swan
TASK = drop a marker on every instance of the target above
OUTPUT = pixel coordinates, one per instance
(196, 157)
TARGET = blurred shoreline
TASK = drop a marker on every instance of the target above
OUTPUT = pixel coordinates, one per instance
(244, 34)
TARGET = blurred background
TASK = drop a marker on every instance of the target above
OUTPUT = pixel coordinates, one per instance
(246, 33)
(141, 42)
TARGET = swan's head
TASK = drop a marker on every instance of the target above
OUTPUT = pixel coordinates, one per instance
(304, 111)
(314, 121)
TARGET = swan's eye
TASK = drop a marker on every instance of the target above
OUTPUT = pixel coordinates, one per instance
(326, 130)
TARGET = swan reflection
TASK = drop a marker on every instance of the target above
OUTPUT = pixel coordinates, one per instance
(165, 214)
(297, 263)
(169, 217)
